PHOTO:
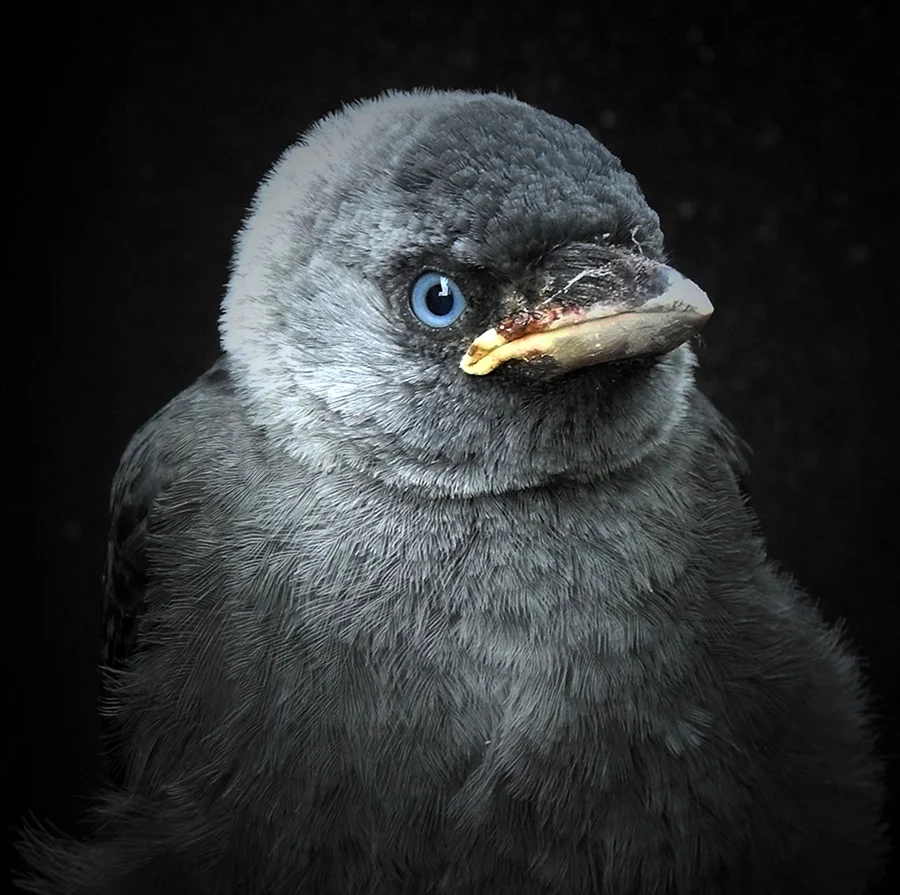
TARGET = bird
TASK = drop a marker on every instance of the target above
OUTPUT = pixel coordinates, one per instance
(443, 579)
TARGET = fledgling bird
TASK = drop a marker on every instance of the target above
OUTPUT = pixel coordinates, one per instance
(441, 580)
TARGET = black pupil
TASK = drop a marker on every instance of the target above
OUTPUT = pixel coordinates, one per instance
(439, 305)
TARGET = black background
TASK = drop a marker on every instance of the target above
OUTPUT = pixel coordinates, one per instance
(765, 140)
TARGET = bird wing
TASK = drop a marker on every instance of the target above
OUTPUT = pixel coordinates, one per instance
(142, 475)
(151, 464)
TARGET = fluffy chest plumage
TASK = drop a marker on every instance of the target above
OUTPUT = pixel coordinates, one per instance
(405, 671)
(421, 639)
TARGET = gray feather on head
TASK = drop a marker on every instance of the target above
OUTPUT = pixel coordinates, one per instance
(316, 314)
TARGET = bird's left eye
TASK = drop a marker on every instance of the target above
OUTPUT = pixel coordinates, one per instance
(436, 300)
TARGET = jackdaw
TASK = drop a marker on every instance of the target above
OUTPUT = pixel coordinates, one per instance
(442, 580)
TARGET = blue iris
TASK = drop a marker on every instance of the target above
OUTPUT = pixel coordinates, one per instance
(436, 300)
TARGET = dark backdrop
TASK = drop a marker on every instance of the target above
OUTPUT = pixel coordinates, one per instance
(764, 140)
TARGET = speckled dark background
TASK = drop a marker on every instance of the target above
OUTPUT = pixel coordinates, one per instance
(765, 140)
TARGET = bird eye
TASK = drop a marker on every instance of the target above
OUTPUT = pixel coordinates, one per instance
(436, 300)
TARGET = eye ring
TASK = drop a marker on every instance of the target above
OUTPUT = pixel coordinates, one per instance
(436, 300)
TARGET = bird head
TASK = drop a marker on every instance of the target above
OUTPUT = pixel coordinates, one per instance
(458, 293)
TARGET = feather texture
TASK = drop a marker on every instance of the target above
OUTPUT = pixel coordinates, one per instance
(376, 627)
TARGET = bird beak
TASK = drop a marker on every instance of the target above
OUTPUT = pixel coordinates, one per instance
(655, 314)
